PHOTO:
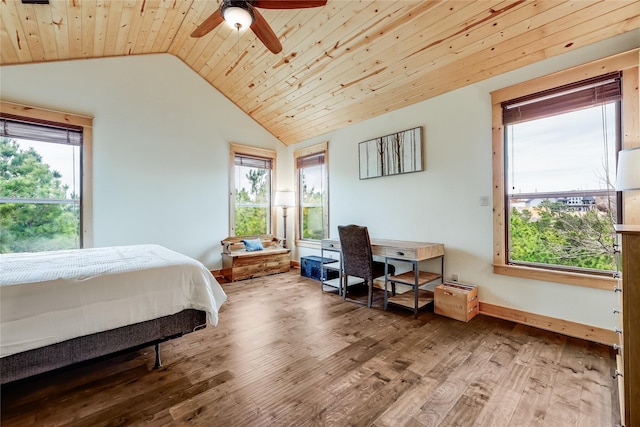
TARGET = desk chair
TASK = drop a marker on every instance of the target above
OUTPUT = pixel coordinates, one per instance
(357, 258)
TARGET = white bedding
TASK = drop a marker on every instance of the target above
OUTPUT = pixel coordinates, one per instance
(49, 297)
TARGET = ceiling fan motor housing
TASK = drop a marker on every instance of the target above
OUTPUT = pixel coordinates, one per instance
(245, 5)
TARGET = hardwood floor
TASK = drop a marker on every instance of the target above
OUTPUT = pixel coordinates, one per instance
(285, 353)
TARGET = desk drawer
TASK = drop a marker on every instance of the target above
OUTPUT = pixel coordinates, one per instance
(330, 245)
(401, 253)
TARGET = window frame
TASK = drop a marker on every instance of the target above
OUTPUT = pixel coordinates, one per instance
(249, 151)
(627, 63)
(589, 93)
(322, 148)
(44, 116)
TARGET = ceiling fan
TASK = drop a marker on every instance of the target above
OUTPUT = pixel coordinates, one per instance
(241, 14)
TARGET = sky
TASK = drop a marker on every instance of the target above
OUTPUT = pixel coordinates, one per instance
(564, 152)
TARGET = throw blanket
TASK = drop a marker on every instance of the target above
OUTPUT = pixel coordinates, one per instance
(49, 297)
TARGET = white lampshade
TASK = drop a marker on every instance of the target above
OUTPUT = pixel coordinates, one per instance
(628, 170)
(238, 17)
(285, 198)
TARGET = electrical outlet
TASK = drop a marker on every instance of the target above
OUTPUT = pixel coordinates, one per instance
(454, 277)
(484, 201)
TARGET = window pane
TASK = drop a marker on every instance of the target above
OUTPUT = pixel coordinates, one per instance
(38, 169)
(312, 222)
(312, 205)
(31, 227)
(559, 179)
(251, 220)
(252, 200)
(39, 196)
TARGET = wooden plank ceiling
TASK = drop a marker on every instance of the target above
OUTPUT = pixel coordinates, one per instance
(342, 63)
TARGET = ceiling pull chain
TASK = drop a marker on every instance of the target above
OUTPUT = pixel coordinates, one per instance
(238, 31)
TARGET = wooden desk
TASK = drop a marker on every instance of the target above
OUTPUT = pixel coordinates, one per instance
(400, 249)
(406, 251)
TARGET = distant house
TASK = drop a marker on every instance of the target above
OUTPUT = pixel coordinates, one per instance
(579, 203)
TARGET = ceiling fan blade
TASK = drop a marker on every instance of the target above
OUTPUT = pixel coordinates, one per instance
(264, 32)
(288, 4)
(209, 24)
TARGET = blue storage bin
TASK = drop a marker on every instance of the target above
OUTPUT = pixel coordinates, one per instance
(310, 266)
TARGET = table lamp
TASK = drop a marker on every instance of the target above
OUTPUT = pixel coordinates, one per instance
(628, 177)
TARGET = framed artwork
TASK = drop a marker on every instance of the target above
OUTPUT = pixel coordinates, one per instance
(393, 154)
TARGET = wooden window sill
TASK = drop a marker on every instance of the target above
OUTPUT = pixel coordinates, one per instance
(568, 278)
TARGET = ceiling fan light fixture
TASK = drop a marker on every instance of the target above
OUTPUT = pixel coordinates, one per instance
(238, 17)
(243, 14)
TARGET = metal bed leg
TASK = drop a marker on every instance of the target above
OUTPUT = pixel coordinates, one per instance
(158, 363)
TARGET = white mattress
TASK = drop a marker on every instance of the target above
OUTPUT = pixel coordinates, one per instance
(49, 297)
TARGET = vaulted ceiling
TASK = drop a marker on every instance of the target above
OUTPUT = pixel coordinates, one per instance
(342, 63)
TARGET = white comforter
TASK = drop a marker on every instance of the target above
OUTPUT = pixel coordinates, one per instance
(49, 297)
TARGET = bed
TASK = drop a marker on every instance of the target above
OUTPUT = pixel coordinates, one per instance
(62, 307)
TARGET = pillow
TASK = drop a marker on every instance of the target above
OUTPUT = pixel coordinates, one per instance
(253, 245)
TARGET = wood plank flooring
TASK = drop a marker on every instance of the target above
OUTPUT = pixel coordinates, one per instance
(287, 354)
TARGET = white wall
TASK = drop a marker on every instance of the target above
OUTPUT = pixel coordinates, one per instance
(161, 146)
(442, 204)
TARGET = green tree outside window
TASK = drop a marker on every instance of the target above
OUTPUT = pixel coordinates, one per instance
(252, 205)
(27, 225)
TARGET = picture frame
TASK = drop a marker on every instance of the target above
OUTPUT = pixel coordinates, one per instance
(393, 154)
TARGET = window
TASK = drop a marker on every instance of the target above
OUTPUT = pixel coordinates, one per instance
(561, 147)
(312, 193)
(41, 191)
(555, 142)
(252, 184)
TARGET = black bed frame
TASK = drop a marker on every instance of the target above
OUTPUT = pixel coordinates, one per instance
(37, 361)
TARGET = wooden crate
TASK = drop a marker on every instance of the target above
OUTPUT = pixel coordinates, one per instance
(456, 300)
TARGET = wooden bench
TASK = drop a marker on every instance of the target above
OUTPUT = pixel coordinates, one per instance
(239, 264)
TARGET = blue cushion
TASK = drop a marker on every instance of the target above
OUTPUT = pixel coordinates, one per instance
(253, 245)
